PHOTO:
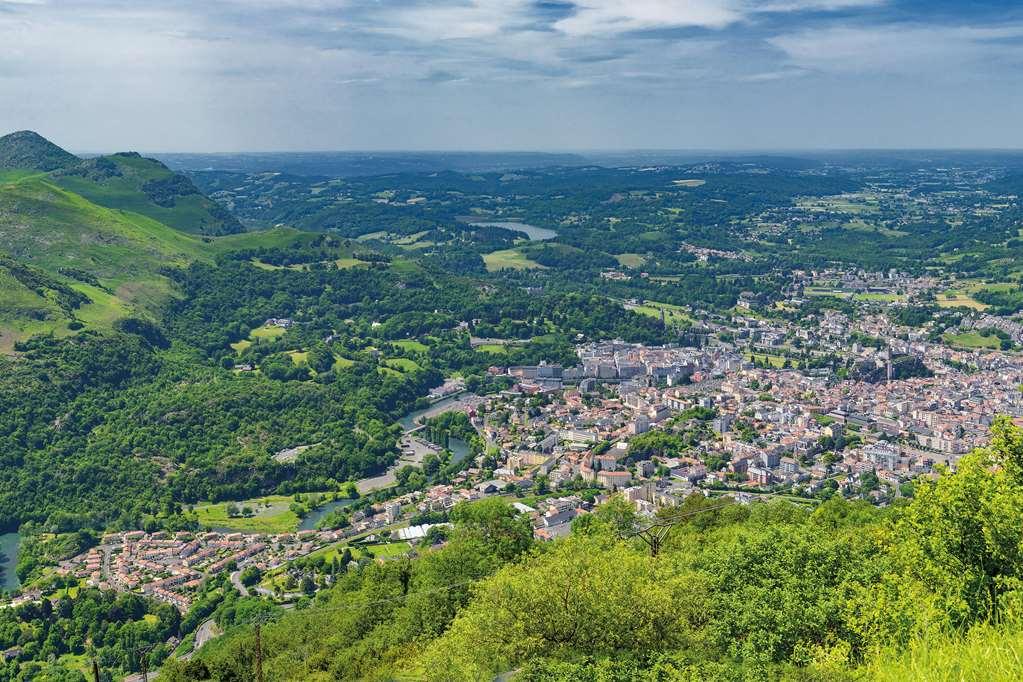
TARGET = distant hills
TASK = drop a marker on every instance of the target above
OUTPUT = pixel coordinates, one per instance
(362, 164)
(84, 242)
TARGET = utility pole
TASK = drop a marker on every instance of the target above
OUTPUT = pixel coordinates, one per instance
(143, 654)
(655, 533)
(259, 656)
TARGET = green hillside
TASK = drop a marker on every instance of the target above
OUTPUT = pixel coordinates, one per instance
(111, 259)
(130, 182)
(86, 242)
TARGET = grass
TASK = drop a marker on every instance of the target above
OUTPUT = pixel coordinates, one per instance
(78, 662)
(631, 260)
(972, 340)
(342, 362)
(276, 238)
(271, 516)
(509, 259)
(51, 228)
(8, 177)
(689, 183)
(411, 346)
(191, 213)
(267, 332)
(776, 361)
(105, 308)
(388, 549)
(299, 357)
(495, 348)
(673, 314)
(958, 299)
(388, 371)
(883, 298)
(241, 346)
(987, 653)
(854, 204)
(402, 364)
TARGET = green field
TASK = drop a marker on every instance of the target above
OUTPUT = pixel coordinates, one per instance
(124, 192)
(882, 298)
(388, 549)
(509, 259)
(972, 340)
(411, 346)
(855, 204)
(958, 299)
(402, 364)
(776, 361)
(342, 362)
(266, 332)
(495, 348)
(673, 314)
(631, 260)
(125, 251)
(271, 516)
(240, 346)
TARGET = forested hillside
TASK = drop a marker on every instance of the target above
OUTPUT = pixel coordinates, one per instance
(927, 590)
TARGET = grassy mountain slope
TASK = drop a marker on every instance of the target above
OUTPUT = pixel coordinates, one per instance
(130, 182)
(111, 258)
(84, 242)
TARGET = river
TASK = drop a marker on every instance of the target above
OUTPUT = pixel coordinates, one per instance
(10, 543)
(532, 231)
(454, 402)
(313, 517)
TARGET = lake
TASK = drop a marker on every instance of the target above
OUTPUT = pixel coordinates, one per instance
(10, 543)
(533, 232)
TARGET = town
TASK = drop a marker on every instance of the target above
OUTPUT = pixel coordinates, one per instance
(855, 405)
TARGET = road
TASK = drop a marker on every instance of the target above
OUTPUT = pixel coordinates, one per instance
(206, 631)
(236, 580)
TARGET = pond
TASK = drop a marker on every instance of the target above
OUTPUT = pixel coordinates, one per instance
(533, 232)
(10, 543)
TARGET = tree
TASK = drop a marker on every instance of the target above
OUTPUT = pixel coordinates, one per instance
(496, 523)
(250, 576)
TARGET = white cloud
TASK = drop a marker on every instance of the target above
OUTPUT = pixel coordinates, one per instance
(815, 5)
(604, 17)
(443, 20)
(899, 49)
(609, 17)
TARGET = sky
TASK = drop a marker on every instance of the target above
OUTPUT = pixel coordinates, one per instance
(280, 75)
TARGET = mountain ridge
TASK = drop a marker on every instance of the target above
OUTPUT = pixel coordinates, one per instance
(28, 150)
